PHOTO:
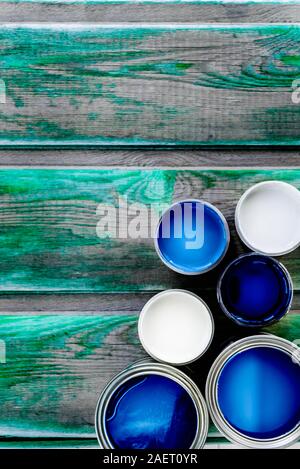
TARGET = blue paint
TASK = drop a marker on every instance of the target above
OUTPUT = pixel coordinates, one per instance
(151, 412)
(255, 290)
(258, 392)
(203, 226)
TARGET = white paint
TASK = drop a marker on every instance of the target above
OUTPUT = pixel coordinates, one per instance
(268, 218)
(175, 326)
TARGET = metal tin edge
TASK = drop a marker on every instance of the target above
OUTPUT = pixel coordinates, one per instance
(211, 386)
(188, 293)
(230, 316)
(184, 272)
(141, 368)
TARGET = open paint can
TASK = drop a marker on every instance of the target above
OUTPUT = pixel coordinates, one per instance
(253, 390)
(255, 290)
(192, 237)
(267, 218)
(151, 406)
(176, 327)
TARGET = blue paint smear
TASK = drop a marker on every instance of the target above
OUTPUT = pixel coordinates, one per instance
(151, 412)
(255, 290)
(258, 392)
(211, 231)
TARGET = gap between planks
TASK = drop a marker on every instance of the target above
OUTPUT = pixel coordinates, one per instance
(166, 168)
(85, 303)
(70, 304)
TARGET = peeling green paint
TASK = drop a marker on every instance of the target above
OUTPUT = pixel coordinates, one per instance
(48, 240)
(43, 357)
(56, 362)
(135, 77)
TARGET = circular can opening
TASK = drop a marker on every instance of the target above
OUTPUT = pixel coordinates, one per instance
(192, 237)
(268, 218)
(255, 290)
(253, 392)
(175, 326)
(151, 406)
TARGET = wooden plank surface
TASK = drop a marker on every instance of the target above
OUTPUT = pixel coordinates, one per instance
(57, 364)
(149, 85)
(214, 74)
(48, 226)
(170, 11)
(138, 158)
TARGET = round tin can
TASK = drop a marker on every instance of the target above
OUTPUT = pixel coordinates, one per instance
(252, 392)
(192, 237)
(176, 327)
(138, 373)
(267, 218)
(255, 290)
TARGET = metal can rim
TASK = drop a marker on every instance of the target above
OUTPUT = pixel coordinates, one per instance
(188, 293)
(222, 425)
(141, 368)
(238, 224)
(198, 272)
(225, 310)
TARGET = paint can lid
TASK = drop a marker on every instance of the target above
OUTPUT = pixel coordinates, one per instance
(267, 218)
(176, 327)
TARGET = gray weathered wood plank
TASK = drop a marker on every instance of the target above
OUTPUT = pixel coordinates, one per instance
(201, 158)
(106, 11)
(88, 303)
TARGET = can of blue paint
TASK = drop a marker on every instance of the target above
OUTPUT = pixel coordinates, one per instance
(255, 290)
(153, 406)
(192, 237)
(252, 392)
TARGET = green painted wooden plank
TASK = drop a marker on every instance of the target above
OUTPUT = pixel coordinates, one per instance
(149, 85)
(92, 443)
(48, 219)
(57, 365)
(81, 443)
(39, 443)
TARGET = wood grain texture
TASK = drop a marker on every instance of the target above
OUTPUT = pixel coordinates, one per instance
(75, 303)
(56, 366)
(149, 85)
(170, 11)
(48, 227)
(139, 158)
(84, 303)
